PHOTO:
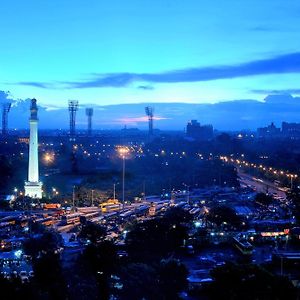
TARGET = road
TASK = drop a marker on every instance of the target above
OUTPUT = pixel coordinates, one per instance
(261, 186)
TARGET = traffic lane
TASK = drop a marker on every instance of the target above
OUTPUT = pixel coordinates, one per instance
(261, 186)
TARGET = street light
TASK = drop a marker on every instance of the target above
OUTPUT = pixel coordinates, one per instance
(123, 151)
(73, 196)
(188, 192)
(92, 198)
(48, 158)
(292, 177)
(16, 192)
(114, 190)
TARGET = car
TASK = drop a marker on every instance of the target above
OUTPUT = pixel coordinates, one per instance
(23, 276)
(15, 273)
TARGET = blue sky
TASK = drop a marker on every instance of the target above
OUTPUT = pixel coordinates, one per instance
(116, 52)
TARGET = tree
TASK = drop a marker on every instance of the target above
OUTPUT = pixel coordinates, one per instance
(6, 172)
(294, 196)
(93, 232)
(139, 281)
(13, 288)
(222, 213)
(49, 278)
(263, 199)
(172, 278)
(176, 215)
(47, 242)
(102, 260)
(248, 282)
(154, 239)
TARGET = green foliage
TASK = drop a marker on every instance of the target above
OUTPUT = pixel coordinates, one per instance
(154, 239)
(14, 289)
(234, 282)
(294, 196)
(222, 213)
(162, 281)
(47, 242)
(101, 259)
(92, 231)
(139, 282)
(172, 278)
(263, 199)
(6, 172)
(49, 277)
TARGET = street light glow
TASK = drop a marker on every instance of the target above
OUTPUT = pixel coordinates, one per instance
(48, 158)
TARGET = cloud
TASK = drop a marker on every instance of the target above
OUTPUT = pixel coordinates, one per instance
(35, 84)
(146, 87)
(288, 63)
(276, 92)
(134, 120)
(281, 64)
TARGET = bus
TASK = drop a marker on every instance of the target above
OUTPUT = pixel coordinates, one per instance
(48, 221)
(70, 218)
(243, 246)
(88, 217)
(110, 205)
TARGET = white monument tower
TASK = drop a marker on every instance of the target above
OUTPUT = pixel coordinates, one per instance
(33, 187)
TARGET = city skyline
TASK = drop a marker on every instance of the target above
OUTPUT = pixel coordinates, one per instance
(118, 53)
(228, 116)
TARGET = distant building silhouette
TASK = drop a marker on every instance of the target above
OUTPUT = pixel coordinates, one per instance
(196, 131)
(290, 129)
(269, 131)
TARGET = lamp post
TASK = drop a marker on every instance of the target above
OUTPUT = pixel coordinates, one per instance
(114, 191)
(188, 192)
(123, 182)
(291, 176)
(73, 196)
(92, 197)
(123, 151)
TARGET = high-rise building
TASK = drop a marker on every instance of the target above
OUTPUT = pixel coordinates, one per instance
(270, 131)
(33, 187)
(200, 132)
(290, 129)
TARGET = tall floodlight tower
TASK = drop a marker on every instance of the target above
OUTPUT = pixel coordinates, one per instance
(150, 112)
(89, 113)
(73, 107)
(5, 110)
(33, 187)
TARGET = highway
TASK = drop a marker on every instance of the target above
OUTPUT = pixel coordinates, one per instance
(261, 185)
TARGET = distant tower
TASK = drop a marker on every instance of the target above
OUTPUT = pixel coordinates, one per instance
(89, 112)
(149, 112)
(73, 107)
(33, 187)
(5, 111)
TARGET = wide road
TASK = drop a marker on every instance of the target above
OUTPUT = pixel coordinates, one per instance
(261, 186)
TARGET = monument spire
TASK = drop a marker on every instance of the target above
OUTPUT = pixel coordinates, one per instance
(33, 187)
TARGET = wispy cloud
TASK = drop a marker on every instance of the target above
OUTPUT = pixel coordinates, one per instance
(288, 63)
(135, 120)
(36, 84)
(276, 92)
(145, 87)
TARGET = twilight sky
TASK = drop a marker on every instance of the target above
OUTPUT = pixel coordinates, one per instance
(116, 52)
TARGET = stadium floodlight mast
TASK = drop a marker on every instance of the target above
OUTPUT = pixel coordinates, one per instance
(123, 151)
